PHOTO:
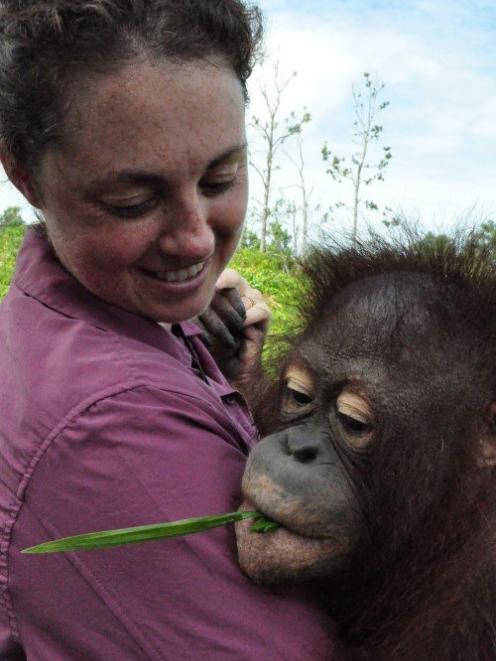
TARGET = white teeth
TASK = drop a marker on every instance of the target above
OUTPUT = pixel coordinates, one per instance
(180, 276)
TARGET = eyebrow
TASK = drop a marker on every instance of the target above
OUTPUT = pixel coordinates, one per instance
(151, 179)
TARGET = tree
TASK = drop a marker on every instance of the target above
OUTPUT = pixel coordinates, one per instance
(11, 216)
(433, 244)
(487, 234)
(305, 193)
(279, 240)
(250, 239)
(358, 169)
(272, 133)
(482, 233)
(292, 216)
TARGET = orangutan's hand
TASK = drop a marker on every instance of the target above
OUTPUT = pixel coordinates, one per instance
(235, 326)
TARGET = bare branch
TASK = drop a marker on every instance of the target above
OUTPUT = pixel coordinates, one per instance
(366, 107)
(273, 134)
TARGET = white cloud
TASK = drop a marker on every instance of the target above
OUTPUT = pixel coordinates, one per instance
(441, 84)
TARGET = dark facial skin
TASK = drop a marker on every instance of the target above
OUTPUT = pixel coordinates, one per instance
(370, 386)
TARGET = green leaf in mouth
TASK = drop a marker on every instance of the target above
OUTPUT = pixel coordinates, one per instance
(262, 524)
(119, 537)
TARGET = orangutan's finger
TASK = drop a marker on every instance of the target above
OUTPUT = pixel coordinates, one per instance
(230, 309)
(257, 314)
(234, 299)
(216, 331)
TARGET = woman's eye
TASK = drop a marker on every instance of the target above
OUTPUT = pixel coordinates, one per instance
(213, 188)
(130, 210)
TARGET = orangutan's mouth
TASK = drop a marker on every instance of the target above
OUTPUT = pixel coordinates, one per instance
(283, 554)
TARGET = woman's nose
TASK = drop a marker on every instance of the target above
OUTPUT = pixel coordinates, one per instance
(187, 232)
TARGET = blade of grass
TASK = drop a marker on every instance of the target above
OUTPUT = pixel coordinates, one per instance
(119, 537)
(262, 525)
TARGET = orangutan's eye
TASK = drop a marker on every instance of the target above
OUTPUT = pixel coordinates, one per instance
(353, 425)
(296, 402)
(355, 417)
(298, 393)
(296, 397)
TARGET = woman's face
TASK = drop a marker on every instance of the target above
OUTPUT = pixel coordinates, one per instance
(145, 200)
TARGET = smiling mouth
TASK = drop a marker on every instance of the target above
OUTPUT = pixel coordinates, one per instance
(182, 275)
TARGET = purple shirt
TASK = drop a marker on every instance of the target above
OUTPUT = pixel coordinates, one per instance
(104, 423)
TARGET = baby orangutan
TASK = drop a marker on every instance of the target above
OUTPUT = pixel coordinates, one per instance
(379, 453)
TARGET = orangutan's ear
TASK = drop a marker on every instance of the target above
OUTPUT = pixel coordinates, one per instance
(487, 444)
(487, 454)
(21, 179)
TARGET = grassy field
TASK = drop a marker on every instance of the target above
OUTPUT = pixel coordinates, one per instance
(10, 241)
(281, 286)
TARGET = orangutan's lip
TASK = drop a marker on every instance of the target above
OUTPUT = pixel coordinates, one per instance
(249, 505)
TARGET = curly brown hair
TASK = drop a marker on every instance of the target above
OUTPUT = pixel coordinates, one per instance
(44, 44)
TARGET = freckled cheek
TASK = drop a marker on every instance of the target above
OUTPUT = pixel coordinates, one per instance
(100, 261)
(227, 238)
(230, 218)
(120, 248)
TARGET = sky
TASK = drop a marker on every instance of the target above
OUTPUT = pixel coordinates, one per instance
(437, 61)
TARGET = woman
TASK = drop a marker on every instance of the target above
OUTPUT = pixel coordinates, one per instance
(122, 121)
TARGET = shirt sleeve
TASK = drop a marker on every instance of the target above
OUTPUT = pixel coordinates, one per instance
(147, 456)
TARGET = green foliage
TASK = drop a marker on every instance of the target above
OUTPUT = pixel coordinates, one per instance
(262, 524)
(280, 239)
(434, 244)
(10, 240)
(11, 216)
(250, 239)
(487, 234)
(282, 284)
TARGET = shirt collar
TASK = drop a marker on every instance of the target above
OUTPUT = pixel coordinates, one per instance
(40, 275)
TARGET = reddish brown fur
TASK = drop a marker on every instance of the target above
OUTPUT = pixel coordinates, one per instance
(427, 592)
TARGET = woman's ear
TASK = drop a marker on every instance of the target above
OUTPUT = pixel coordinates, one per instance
(21, 179)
